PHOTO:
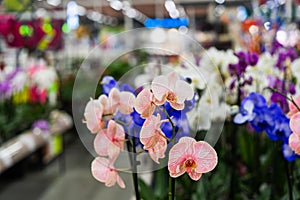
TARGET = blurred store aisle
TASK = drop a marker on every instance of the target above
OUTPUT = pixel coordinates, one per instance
(75, 184)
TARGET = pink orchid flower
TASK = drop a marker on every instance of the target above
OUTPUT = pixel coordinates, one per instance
(153, 138)
(295, 123)
(108, 142)
(103, 170)
(294, 142)
(107, 105)
(170, 88)
(144, 103)
(93, 115)
(124, 101)
(192, 157)
(293, 108)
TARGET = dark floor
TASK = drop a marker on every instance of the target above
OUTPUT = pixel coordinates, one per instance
(76, 183)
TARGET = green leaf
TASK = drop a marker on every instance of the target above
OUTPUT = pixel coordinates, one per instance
(161, 183)
(145, 191)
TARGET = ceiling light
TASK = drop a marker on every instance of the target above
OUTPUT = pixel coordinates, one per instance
(170, 5)
(54, 2)
(116, 5)
(220, 1)
(174, 14)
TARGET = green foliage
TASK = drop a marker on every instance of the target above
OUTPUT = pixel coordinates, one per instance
(14, 119)
(145, 191)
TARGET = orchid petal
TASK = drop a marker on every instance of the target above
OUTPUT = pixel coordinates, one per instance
(149, 127)
(126, 102)
(120, 182)
(195, 175)
(115, 131)
(158, 151)
(100, 169)
(172, 80)
(102, 143)
(189, 141)
(294, 143)
(177, 106)
(143, 103)
(114, 97)
(176, 158)
(159, 87)
(183, 91)
(295, 123)
(206, 157)
(240, 119)
(107, 108)
(249, 106)
(111, 178)
(93, 115)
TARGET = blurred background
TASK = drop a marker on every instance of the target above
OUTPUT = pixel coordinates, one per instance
(44, 42)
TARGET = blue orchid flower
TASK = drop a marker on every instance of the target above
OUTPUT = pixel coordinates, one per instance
(281, 129)
(246, 112)
(136, 118)
(126, 87)
(108, 83)
(263, 120)
(288, 153)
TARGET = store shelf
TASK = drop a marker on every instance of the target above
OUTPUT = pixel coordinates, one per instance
(26, 143)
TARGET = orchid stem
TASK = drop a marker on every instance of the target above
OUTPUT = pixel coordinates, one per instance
(123, 169)
(288, 98)
(171, 188)
(288, 176)
(132, 157)
(234, 187)
(171, 180)
(134, 174)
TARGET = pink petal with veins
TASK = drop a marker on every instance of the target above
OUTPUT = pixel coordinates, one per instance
(158, 151)
(150, 125)
(107, 105)
(176, 158)
(160, 87)
(93, 115)
(294, 143)
(114, 98)
(143, 103)
(100, 169)
(177, 106)
(103, 171)
(126, 102)
(116, 134)
(102, 143)
(194, 175)
(206, 157)
(120, 182)
(295, 123)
